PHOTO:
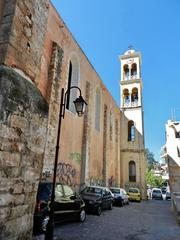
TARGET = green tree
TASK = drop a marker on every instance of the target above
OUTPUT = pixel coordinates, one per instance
(150, 159)
(154, 181)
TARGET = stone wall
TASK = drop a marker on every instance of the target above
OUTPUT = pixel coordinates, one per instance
(23, 119)
(23, 27)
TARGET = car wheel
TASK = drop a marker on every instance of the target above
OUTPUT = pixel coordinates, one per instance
(99, 211)
(44, 223)
(110, 206)
(82, 215)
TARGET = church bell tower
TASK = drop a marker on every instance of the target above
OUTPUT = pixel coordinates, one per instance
(131, 88)
(133, 164)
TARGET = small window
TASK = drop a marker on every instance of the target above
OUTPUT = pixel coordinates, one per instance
(134, 71)
(126, 72)
(177, 134)
(131, 131)
(134, 97)
(126, 98)
(132, 171)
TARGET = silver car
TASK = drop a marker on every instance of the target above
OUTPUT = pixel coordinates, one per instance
(120, 196)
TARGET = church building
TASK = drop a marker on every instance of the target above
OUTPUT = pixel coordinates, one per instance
(40, 61)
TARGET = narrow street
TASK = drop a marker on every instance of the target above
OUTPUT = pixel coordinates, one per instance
(150, 220)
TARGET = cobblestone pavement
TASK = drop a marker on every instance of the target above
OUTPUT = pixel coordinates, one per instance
(148, 220)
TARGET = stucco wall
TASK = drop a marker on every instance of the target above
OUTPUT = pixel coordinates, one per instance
(82, 158)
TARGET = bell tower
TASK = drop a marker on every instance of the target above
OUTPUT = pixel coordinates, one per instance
(133, 164)
(131, 88)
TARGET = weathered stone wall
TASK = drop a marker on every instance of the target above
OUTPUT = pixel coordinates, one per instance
(23, 119)
(24, 26)
(7, 9)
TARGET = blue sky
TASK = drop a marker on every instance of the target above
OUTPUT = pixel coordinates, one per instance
(105, 28)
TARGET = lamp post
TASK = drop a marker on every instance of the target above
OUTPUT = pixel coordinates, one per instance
(80, 107)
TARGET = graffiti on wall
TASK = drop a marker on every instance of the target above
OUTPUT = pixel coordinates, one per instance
(76, 157)
(66, 173)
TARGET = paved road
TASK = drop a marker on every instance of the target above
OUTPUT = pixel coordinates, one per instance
(149, 220)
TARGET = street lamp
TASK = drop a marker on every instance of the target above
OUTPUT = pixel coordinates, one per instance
(80, 108)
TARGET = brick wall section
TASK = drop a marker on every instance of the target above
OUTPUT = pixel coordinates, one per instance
(26, 38)
(53, 96)
(23, 120)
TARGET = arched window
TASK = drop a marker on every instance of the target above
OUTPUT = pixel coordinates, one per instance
(132, 171)
(126, 98)
(131, 131)
(126, 72)
(134, 71)
(134, 97)
(97, 109)
(73, 79)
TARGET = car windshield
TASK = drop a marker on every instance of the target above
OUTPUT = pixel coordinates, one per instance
(115, 190)
(133, 190)
(156, 191)
(95, 191)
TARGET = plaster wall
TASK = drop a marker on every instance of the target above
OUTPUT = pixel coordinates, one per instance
(73, 153)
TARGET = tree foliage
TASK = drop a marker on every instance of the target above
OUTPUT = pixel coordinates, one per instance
(150, 159)
(154, 181)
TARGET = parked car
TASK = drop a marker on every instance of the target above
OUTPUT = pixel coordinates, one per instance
(68, 205)
(120, 196)
(168, 195)
(97, 198)
(134, 194)
(156, 194)
(164, 189)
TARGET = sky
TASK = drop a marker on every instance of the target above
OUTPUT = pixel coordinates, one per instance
(105, 28)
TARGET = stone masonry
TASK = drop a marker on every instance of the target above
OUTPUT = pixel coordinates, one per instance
(23, 114)
(23, 120)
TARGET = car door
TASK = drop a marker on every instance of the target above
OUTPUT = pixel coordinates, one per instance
(73, 202)
(125, 196)
(59, 203)
(107, 198)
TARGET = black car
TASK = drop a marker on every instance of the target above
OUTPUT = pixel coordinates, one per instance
(168, 195)
(97, 198)
(68, 205)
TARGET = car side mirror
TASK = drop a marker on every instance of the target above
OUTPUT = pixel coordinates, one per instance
(73, 197)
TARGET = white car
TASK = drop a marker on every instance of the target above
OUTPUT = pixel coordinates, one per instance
(156, 194)
(120, 196)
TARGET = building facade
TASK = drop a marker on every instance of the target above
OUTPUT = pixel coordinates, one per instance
(39, 57)
(171, 153)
